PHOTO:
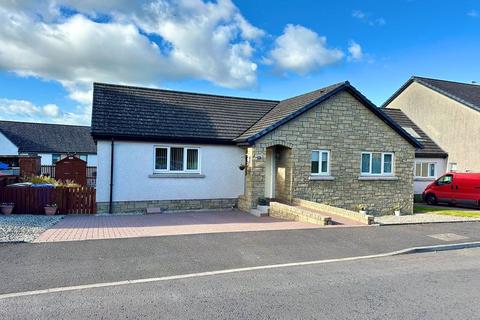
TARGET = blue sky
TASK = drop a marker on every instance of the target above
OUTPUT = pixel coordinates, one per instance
(52, 51)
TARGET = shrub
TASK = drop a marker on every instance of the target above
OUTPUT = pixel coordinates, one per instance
(54, 182)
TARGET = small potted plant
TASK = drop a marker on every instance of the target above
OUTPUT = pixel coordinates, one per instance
(397, 209)
(262, 201)
(7, 208)
(362, 208)
(50, 209)
(242, 167)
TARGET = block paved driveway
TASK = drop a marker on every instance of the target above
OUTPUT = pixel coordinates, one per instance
(73, 228)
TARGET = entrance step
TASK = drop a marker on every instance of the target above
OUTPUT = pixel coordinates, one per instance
(260, 211)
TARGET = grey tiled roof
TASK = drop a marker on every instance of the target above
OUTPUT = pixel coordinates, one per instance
(286, 108)
(142, 113)
(48, 138)
(430, 148)
(466, 93)
(133, 113)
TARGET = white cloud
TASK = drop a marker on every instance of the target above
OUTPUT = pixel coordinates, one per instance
(194, 39)
(302, 50)
(52, 110)
(22, 110)
(368, 19)
(209, 41)
(355, 51)
(473, 13)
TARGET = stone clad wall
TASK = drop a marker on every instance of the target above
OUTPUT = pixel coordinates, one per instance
(167, 205)
(346, 128)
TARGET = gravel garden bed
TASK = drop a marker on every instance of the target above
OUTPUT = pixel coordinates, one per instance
(25, 227)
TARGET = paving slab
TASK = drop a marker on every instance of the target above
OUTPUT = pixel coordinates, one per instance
(75, 228)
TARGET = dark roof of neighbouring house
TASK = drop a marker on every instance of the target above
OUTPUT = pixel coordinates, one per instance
(465, 93)
(133, 113)
(48, 138)
(430, 148)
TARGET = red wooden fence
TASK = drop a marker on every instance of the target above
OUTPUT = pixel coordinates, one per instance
(33, 200)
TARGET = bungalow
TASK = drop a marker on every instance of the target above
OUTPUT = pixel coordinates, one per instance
(51, 142)
(181, 150)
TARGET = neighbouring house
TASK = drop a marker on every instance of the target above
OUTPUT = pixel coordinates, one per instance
(430, 161)
(180, 150)
(449, 113)
(51, 142)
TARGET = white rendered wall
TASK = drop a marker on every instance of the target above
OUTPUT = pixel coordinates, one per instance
(92, 160)
(133, 164)
(419, 184)
(7, 148)
(46, 159)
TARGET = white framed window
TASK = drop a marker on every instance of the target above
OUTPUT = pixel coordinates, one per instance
(377, 163)
(425, 169)
(452, 166)
(320, 162)
(175, 159)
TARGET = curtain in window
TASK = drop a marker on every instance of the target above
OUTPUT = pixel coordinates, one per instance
(387, 163)
(161, 159)
(365, 163)
(324, 162)
(192, 159)
(376, 163)
(176, 159)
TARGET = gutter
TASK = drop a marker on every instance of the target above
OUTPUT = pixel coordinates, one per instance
(111, 178)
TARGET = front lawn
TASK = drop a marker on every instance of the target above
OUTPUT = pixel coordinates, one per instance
(447, 211)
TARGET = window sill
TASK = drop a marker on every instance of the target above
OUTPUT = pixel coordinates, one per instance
(177, 175)
(424, 179)
(378, 178)
(320, 178)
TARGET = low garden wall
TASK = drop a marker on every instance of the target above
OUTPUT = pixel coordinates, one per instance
(357, 216)
(287, 212)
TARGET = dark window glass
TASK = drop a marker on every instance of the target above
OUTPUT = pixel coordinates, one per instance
(192, 159)
(365, 163)
(176, 159)
(161, 158)
(376, 163)
(315, 161)
(387, 163)
(324, 162)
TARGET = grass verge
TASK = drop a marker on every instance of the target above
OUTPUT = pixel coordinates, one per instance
(420, 208)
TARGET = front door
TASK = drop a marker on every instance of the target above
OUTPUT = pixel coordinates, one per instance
(270, 174)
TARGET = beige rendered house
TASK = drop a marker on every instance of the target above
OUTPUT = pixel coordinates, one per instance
(449, 113)
(179, 150)
(430, 160)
